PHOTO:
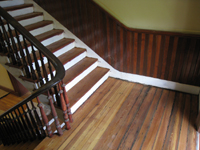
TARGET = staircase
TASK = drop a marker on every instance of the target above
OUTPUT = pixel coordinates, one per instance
(83, 74)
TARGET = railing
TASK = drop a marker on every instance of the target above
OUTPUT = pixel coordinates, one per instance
(25, 121)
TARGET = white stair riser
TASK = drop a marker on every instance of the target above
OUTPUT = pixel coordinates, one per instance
(36, 32)
(22, 11)
(26, 22)
(41, 30)
(89, 93)
(64, 49)
(29, 21)
(4, 59)
(11, 3)
(75, 60)
(81, 76)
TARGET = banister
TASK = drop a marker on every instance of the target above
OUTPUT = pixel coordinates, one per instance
(60, 72)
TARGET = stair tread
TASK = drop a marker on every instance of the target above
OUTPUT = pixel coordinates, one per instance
(38, 25)
(69, 55)
(59, 44)
(10, 8)
(34, 26)
(85, 84)
(49, 34)
(78, 68)
(56, 46)
(26, 16)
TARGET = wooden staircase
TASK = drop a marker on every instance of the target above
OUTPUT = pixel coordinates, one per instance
(83, 75)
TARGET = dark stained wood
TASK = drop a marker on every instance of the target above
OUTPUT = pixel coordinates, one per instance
(85, 84)
(11, 8)
(160, 54)
(27, 16)
(77, 69)
(125, 115)
(69, 55)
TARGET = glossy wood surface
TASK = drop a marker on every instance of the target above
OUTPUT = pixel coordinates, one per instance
(160, 54)
(125, 115)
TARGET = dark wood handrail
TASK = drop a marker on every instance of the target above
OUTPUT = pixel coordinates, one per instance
(60, 72)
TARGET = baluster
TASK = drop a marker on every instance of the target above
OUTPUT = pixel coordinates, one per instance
(9, 130)
(29, 60)
(3, 46)
(33, 122)
(64, 107)
(14, 47)
(43, 67)
(25, 65)
(67, 103)
(44, 118)
(57, 101)
(6, 38)
(21, 128)
(5, 138)
(15, 128)
(37, 66)
(38, 121)
(25, 125)
(29, 124)
(53, 110)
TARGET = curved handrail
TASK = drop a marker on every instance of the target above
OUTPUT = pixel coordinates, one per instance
(60, 71)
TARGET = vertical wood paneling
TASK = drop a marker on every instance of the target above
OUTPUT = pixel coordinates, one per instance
(164, 55)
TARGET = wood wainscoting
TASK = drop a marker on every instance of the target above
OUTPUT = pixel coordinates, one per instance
(164, 55)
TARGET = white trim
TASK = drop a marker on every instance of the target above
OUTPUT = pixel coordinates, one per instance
(11, 3)
(21, 11)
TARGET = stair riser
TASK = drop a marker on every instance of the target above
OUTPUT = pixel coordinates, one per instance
(74, 61)
(11, 3)
(89, 93)
(41, 30)
(36, 32)
(28, 21)
(81, 76)
(22, 11)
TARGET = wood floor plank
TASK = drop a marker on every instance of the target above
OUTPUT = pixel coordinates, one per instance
(156, 121)
(147, 122)
(185, 124)
(113, 102)
(176, 117)
(130, 135)
(55, 142)
(191, 138)
(122, 119)
(99, 130)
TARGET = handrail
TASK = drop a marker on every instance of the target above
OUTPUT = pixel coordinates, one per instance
(60, 72)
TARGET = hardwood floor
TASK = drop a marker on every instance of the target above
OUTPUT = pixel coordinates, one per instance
(125, 115)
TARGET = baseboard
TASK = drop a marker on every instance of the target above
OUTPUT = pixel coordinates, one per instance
(157, 82)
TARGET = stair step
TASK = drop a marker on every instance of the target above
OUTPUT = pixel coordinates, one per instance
(11, 8)
(64, 58)
(77, 72)
(84, 88)
(68, 56)
(34, 26)
(56, 46)
(27, 16)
